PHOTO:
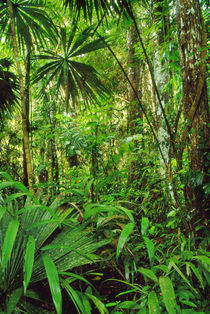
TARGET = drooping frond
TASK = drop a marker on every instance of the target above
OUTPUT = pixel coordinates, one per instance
(8, 88)
(101, 7)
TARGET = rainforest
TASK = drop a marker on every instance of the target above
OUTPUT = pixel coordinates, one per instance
(104, 156)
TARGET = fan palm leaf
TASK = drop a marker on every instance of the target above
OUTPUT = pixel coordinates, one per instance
(76, 78)
(101, 7)
(32, 22)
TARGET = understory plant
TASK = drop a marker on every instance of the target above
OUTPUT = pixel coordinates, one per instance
(39, 242)
(174, 279)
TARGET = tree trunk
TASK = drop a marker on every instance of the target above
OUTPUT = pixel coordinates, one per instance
(192, 38)
(53, 152)
(27, 100)
(161, 77)
(23, 100)
(134, 76)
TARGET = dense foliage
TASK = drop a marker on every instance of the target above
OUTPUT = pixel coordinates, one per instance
(104, 161)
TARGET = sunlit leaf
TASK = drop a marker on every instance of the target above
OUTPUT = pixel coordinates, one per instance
(148, 273)
(144, 226)
(153, 303)
(9, 241)
(54, 283)
(150, 249)
(29, 262)
(168, 294)
(124, 237)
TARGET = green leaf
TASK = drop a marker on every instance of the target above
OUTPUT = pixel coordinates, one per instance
(124, 237)
(197, 273)
(9, 241)
(29, 262)
(172, 263)
(168, 294)
(13, 300)
(153, 303)
(99, 305)
(54, 283)
(203, 259)
(74, 296)
(148, 273)
(2, 211)
(144, 226)
(132, 305)
(150, 249)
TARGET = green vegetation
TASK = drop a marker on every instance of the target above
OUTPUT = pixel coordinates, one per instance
(104, 160)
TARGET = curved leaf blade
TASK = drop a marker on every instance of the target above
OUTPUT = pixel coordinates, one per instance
(124, 237)
(148, 273)
(167, 290)
(29, 262)
(144, 226)
(9, 241)
(153, 303)
(54, 283)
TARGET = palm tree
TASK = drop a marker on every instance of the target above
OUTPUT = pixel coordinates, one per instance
(25, 22)
(77, 79)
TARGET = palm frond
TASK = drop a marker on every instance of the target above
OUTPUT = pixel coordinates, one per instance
(32, 22)
(8, 88)
(100, 7)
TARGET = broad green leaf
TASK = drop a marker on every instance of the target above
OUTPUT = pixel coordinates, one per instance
(150, 249)
(168, 294)
(144, 226)
(98, 304)
(153, 303)
(2, 211)
(29, 262)
(148, 273)
(9, 241)
(54, 283)
(13, 300)
(124, 237)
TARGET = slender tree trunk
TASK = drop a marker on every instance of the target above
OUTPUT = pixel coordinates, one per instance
(27, 100)
(133, 110)
(23, 100)
(54, 157)
(192, 44)
(161, 77)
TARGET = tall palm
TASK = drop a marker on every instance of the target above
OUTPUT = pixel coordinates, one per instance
(25, 22)
(77, 79)
(8, 88)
